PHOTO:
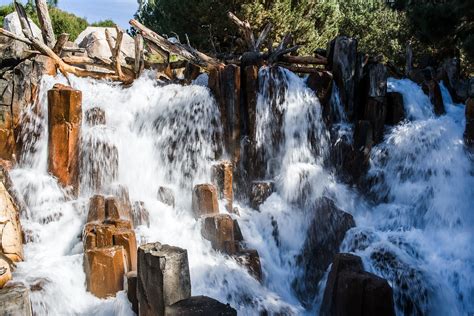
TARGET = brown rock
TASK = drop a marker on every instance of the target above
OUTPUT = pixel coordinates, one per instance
(199, 306)
(11, 241)
(96, 209)
(219, 230)
(321, 84)
(163, 278)
(469, 131)
(95, 116)
(140, 215)
(250, 95)
(64, 119)
(205, 200)
(237, 232)
(116, 210)
(431, 88)
(104, 235)
(395, 108)
(222, 178)
(132, 290)
(377, 75)
(250, 259)
(260, 192)
(15, 301)
(105, 269)
(352, 291)
(166, 196)
(5, 270)
(376, 113)
(127, 239)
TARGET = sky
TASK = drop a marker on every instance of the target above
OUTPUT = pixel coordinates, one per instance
(120, 11)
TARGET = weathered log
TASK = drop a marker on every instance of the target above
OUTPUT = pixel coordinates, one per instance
(304, 60)
(116, 54)
(45, 23)
(62, 39)
(74, 50)
(300, 69)
(190, 54)
(110, 40)
(14, 36)
(246, 30)
(139, 58)
(23, 17)
(263, 36)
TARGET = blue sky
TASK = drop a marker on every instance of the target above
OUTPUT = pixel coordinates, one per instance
(120, 11)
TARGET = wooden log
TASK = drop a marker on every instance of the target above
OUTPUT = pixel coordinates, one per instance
(45, 23)
(304, 60)
(246, 30)
(300, 69)
(110, 41)
(139, 56)
(14, 36)
(23, 17)
(62, 39)
(74, 50)
(116, 54)
(280, 52)
(263, 36)
(190, 54)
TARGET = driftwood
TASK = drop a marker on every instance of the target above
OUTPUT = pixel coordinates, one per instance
(14, 36)
(190, 54)
(246, 30)
(263, 35)
(45, 23)
(304, 60)
(139, 56)
(62, 39)
(300, 69)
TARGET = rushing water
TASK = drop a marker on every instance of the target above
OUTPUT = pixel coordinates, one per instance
(415, 230)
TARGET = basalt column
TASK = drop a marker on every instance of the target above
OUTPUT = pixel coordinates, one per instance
(64, 124)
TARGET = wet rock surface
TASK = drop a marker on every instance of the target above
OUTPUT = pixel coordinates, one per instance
(15, 300)
(200, 306)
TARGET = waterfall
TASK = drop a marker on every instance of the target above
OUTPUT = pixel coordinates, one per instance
(414, 227)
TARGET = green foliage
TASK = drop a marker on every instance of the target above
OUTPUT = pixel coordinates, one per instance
(104, 23)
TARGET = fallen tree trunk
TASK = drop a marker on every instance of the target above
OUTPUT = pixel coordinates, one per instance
(300, 69)
(246, 30)
(62, 39)
(304, 60)
(190, 54)
(45, 23)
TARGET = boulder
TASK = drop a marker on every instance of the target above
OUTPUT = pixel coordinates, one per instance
(93, 40)
(222, 179)
(395, 108)
(16, 49)
(95, 116)
(376, 112)
(237, 232)
(64, 126)
(260, 191)
(377, 80)
(321, 84)
(469, 131)
(132, 290)
(96, 209)
(105, 269)
(342, 58)
(199, 306)
(250, 259)
(140, 215)
(166, 196)
(163, 278)
(205, 200)
(15, 301)
(449, 71)
(219, 230)
(11, 242)
(325, 234)
(352, 291)
(431, 88)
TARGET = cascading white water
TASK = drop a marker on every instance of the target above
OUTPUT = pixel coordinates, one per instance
(416, 232)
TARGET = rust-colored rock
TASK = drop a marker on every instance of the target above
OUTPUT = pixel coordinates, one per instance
(64, 119)
(205, 200)
(219, 230)
(96, 209)
(5, 270)
(115, 209)
(127, 239)
(250, 259)
(105, 269)
(469, 131)
(222, 178)
(11, 242)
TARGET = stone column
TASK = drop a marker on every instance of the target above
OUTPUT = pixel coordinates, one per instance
(163, 278)
(64, 124)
